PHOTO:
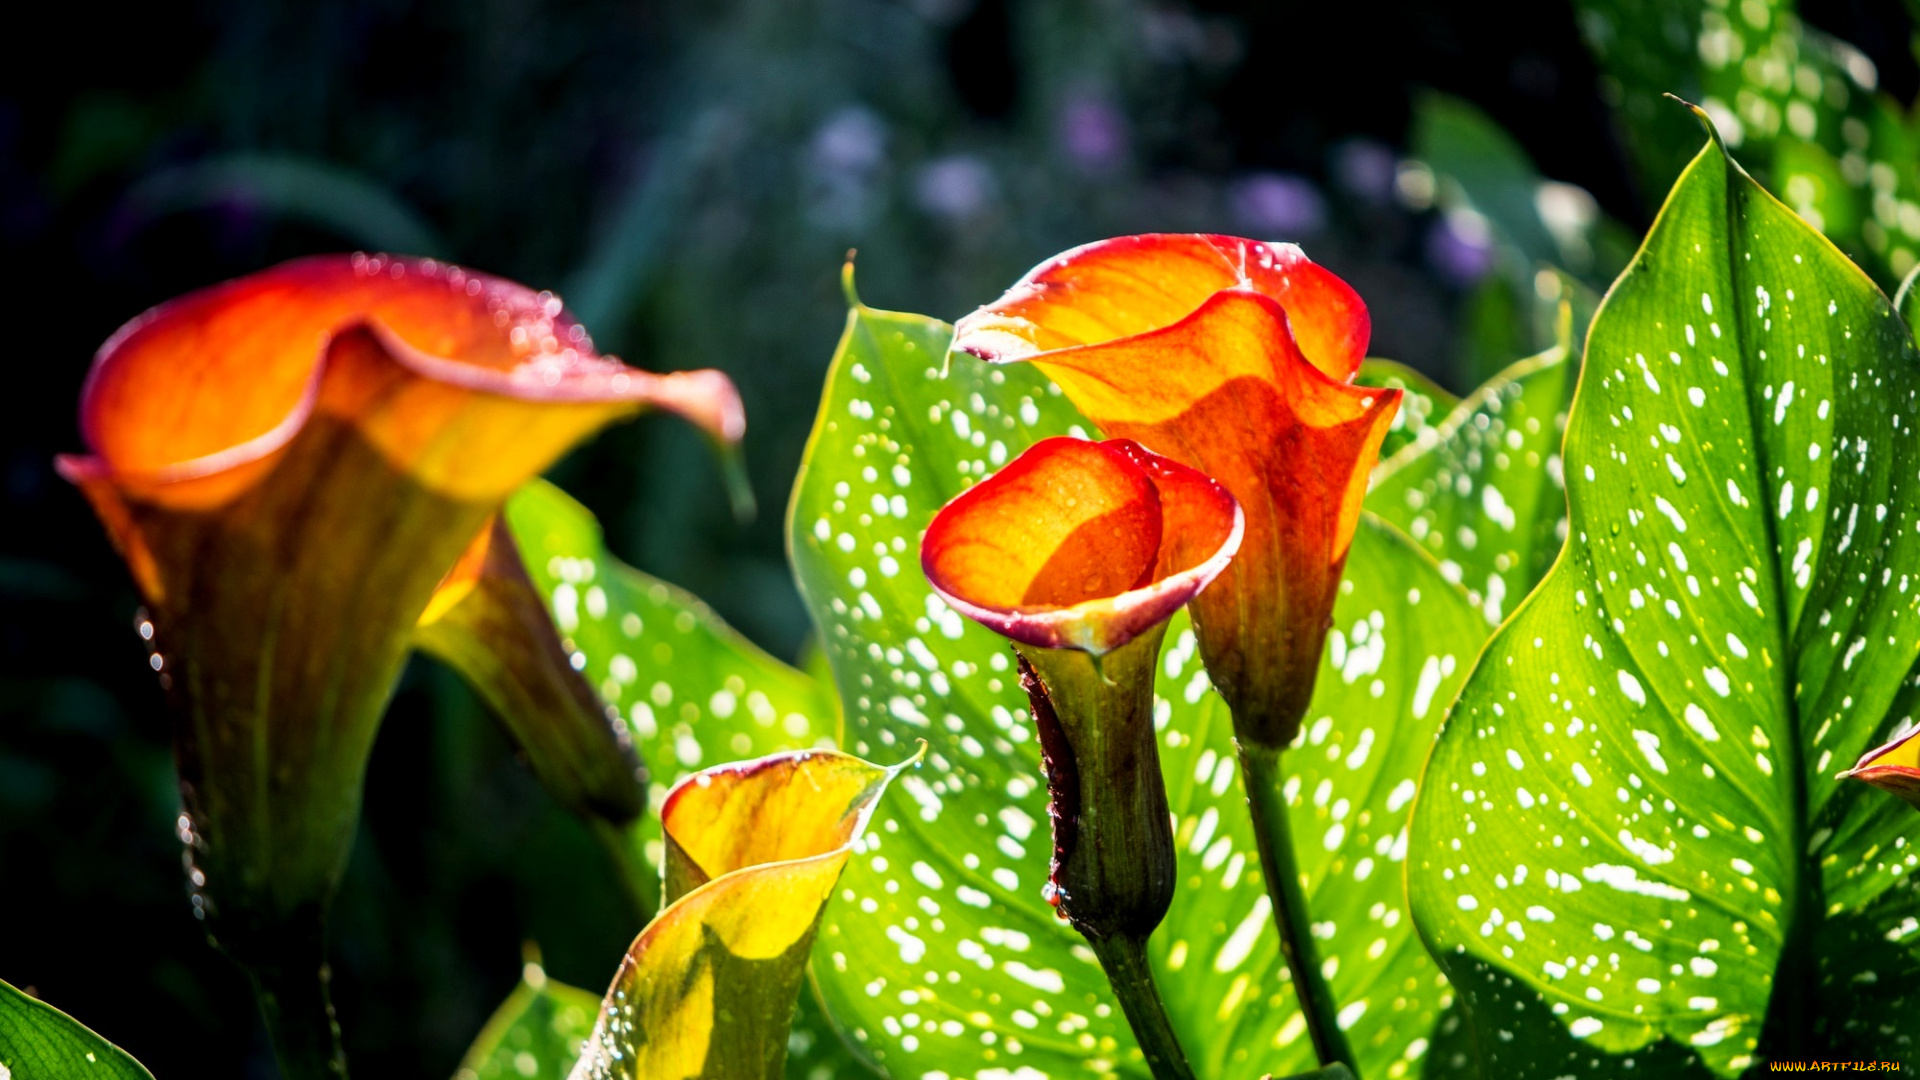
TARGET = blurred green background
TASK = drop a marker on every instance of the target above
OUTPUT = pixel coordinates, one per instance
(690, 177)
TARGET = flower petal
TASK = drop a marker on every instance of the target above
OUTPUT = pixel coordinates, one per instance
(1134, 284)
(716, 821)
(707, 990)
(289, 464)
(1894, 767)
(191, 400)
(1069, 546)
(1225, 391)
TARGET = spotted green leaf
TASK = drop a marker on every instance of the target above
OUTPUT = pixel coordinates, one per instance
(1401, 644)
(1481, 489)
(536, 1034)
(692, 691)
(1423, 402)
(941, 959)
(1633, 856)
(1803, 107)
(39, 1042)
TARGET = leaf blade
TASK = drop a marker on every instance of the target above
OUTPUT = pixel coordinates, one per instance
(1716, 536)
(39, 1042)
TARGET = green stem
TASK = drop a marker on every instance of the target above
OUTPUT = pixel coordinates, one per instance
(299, 1013)
(1125, 961)
(638, 881)
(1260, 771)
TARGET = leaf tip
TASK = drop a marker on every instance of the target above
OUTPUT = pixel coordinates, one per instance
(1706, 121)
(846, 280)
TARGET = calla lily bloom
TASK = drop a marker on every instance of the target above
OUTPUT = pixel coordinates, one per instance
(290, 463)
(1234, 357)
(1081, 545)
(1894, 767)
(1080, 552)
(707, 991)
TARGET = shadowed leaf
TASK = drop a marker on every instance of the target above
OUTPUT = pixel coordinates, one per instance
(1481, 489)
(536, 1034)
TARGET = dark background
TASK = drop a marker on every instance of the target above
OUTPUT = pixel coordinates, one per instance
(690, 175)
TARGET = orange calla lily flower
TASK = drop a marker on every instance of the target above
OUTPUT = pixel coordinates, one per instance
(1081, 545)
(1894, 767)
(1233, 357)
(1080, 552)
(290, 463)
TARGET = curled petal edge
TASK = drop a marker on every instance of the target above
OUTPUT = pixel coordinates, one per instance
(1101, 626)
(1333, 324)
(680, 985)
(706, 398)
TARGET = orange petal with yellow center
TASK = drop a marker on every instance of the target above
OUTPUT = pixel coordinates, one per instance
(1134, 284)
(1082, 545)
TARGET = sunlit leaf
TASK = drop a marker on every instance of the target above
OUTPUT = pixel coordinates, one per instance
(708, 988)
(691, 689)
(1481, 489)
(39, 1042)
(943, 957)
(1631, 831)
(1423, 402)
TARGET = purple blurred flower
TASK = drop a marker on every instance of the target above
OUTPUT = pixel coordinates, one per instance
(954, 188)
(845, 159)
(1278, 205)
(1460, 246)
(852, 140)
(1365, 169)
(1093, 133)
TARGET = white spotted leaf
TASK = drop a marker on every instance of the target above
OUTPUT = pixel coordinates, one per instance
(693, 692)
(939, 957)
(1481, 489)
(1632, 854)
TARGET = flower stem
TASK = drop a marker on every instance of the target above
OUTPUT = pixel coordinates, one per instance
(298, 1011)
(1260, 771)
(1125, 961)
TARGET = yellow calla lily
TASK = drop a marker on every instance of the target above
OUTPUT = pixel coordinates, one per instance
(707, 991)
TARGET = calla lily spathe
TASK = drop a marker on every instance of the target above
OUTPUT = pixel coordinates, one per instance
(289, 464)
(754, 849)
(1081, 545)
(1233, 357)
(1894, 767)
(1080, 552)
